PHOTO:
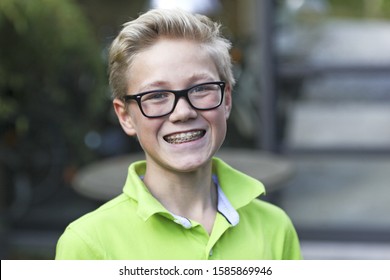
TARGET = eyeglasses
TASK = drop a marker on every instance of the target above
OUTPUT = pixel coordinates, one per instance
(159, 103)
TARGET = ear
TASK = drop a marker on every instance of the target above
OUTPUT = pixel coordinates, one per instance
(124, 117)
(228, 101)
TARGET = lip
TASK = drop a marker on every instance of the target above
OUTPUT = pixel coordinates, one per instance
(182, 137)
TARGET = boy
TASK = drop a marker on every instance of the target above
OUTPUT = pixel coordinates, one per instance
(170, 72)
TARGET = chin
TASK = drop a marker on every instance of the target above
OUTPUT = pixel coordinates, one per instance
(191, 164)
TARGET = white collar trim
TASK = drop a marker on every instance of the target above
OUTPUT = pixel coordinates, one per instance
(224, 208)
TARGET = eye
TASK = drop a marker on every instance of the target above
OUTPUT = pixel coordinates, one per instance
(157, 96)
(201, 88)
(207, 88)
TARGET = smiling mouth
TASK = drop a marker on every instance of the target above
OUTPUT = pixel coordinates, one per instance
(184, 137)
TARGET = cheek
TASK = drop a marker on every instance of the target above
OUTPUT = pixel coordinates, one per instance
(147, 129)
(219, 124)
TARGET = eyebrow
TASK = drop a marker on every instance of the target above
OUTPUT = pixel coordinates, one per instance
(164, 85)
(153, 85)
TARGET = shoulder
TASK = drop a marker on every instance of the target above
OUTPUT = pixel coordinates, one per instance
(83, 238)
(264, 212)
(274, 225)
(110, 210)
(262, 205)
(101, 220)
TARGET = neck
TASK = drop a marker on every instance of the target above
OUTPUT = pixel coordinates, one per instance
(188, 194)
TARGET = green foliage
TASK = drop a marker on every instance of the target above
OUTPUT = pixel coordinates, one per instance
(52, 73)
(360, 8)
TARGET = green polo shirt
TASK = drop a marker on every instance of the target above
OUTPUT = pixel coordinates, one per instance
(136, 226)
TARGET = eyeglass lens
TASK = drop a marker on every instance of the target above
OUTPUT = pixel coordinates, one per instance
(202, 97)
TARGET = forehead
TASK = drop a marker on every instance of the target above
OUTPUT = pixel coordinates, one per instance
(171, 62)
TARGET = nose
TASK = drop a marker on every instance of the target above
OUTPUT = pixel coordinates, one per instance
(183, 111)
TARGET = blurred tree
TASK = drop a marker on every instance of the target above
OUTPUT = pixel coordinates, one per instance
(360, 8)
(52, 88)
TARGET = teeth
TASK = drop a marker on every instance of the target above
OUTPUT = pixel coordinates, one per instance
(184, 137)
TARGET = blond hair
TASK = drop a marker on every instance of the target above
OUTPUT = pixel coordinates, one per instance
(139, 34)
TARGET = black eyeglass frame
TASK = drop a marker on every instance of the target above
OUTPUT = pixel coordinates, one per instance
(178, 94)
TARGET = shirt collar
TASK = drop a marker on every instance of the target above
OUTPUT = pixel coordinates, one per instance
(136, 189)
(239, 188)
(224, 206)
(235, 190)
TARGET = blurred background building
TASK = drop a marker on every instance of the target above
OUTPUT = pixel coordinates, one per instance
(312, 89)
